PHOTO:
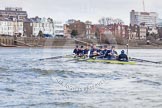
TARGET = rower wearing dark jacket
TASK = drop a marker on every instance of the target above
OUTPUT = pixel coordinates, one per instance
(81, 51)
(112, 54)
(106, 51)
(76, 50)
(93, 51)
(123, 56)
(86, 50)
(100, 51)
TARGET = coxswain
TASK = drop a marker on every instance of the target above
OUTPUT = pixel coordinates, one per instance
(123, 56)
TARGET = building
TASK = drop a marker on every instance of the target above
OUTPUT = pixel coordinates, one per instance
(134, 32)
(160, 32)
(11, 28)
(118, 30)
(109, 21)
(142, 32)
(159, 27)
(113, 30)
(153, 30)
(13, 14)
(37, 25)
(67, 31)
(28, 28)
(159, 23)
(138, 32)
(71, 21)
(33, 26)
(80, 27)
(89, 29)
(149, 18)
(58, 28)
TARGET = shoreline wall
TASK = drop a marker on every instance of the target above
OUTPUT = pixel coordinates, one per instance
(59, 42)
(7, 40)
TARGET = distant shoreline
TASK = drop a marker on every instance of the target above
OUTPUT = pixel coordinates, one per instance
(71, 47)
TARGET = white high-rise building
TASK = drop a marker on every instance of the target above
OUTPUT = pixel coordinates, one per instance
(148, 18)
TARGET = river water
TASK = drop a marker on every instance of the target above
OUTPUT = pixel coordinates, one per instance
(27, 82)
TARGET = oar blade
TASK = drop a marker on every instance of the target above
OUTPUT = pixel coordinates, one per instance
(57, 57)
(142, 60)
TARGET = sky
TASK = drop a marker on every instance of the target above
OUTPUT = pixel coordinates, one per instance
(93, 10)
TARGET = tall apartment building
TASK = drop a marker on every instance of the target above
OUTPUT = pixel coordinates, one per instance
(148, 18)
(13, 14)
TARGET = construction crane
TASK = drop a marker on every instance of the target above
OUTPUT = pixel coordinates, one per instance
(144, 5)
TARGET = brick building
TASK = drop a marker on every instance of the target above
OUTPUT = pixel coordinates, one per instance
(138, 32)
(67, 31)
(80, 27)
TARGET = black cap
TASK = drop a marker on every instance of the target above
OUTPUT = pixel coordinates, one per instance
(122, 51)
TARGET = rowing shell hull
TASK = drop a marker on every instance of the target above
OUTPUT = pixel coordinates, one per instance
(108, 61)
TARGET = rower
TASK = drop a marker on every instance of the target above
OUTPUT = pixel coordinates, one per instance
(112, 54)
(123, 56)
(86, 51)
(93, 51)
(76, 51)
(100, 52)
(81, 51)
(106, 51)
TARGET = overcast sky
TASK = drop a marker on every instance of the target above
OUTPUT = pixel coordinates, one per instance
(84, 10)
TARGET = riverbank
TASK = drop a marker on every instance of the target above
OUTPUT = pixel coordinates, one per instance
(62, 43)
(71, 47)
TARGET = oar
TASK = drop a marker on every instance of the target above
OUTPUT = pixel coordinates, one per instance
(57, 57)
(141, 60)
(82, 42)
